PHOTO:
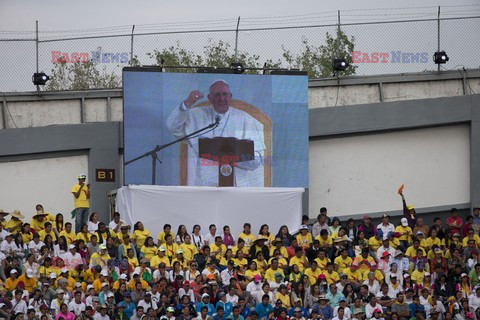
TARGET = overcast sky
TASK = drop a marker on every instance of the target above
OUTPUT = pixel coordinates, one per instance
(55, 14)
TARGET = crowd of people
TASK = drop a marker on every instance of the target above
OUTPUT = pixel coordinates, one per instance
(329, 270)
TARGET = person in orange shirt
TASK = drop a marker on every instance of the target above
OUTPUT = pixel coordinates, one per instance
(12, 281)
(28, 278)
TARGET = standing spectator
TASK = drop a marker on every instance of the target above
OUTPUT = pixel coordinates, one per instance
(386, 226)
(454, 222)
(408, 210)
(320, 225)
(81, 196)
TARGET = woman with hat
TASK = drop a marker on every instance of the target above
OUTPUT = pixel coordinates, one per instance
(323, 308)
(15, 224)
(38, 220)
(257, 246)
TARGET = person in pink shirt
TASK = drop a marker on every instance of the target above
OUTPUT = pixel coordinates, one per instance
(64, 313)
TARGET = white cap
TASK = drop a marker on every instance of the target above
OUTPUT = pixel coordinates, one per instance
(13, 271)
(64, 270)
(78, 285)
(110, 294)
(404, 222)
(104, 284)
(123, 277)
(29, 273)
(2, 305)
(72, 246)
(53, 275)
(89, 287)
(104, 273)
(135, 273)
(205, 295)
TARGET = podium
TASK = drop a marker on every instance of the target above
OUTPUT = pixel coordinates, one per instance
(226, 152)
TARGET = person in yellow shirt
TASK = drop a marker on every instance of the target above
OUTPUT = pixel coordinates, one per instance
(271, 272)
(433, 239)
(84, 234)
(81, 201)
(188, 248)
(124, 230)
(27, 235)
(313, 272)
(180, 259)
(331, 275)
(252, 271)
(299, 259)
(343, 261)
(103, 233)
(282, 262)
(14, 226)
(266, 234)
(167, 229)
(140, 234)
(278, 244)
(65, 274)
(121, 279)
(12, 281)
(322, 260)
(421, 238)
(240, 247)
(375, 242)
(100, 258)
(29, 280)
(326, 241)
(3, 221)
(363, 261)
(132, 259)
(471, 235)
(159, 258)
(170, 246)
(149, 250)
(304, 238)
(354, 275)
(47, 231)
(136, 279)
(69, 235)
(412, 251)
(217, 249)
(247, 235)
(405, 233)
(97, 283)
(240, 259)
(283, 296)
(419, 273)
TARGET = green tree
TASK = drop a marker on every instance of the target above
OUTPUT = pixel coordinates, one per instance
(318, 61)
(81, 76)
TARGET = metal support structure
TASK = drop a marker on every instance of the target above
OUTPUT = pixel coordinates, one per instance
(4, 113)
(36, 48)
(236, 40)
(337, 49)
(82, 110)
(131, 46)
(109, 109)
(380, 90)
(438, 35)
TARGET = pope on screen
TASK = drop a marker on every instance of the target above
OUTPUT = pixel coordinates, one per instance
(233, 123)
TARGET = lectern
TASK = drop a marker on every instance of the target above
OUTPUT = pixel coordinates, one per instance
(227, 152)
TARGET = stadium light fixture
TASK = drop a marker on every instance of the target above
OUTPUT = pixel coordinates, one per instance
(40, 78)
(340, 64)
(440, 57)
(237, 68)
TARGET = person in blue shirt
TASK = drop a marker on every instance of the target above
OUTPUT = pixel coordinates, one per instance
(243, 308)
(416, 306)
(205, 302)
(334, 296)
(297, 304)
(227, 306)
(264, 308)
(220, 314)
(235, 314)
(323, 308)
(129, 306)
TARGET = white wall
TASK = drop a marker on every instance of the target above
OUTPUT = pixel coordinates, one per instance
(44, 181)
(361, 174)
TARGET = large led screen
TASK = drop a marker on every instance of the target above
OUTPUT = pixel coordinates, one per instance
(237, 129)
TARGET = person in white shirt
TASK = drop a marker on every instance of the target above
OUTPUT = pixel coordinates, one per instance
(228, 273)
(474, 299)
(255, 286)
(102, 315)
(116, 223)
(320, 225)
(185, 290)
(343, 304)
(18, 304)
(35, 245)
(385, 247)
(386, 226)
(340, 313)
(232, 122)
(76, 305)
(211, 235)
(72, 258)
(147, 302)
(8, 246)
(231, 296)
(371, 306)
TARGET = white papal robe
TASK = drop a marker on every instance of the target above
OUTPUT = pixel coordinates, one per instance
(234, 123)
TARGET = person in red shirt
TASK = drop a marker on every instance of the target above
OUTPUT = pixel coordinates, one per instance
(454, 222)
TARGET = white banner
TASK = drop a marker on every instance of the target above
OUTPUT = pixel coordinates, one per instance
(156, 205)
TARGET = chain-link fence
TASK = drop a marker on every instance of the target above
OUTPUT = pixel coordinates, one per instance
(380, 47)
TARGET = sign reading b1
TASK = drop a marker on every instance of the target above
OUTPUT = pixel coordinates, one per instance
(105, 175)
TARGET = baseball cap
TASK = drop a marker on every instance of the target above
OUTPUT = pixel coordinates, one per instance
(179, 251)
(89, 287)
(257, 277)
(162, 248)
(30, 273)
(303, 227)
(170, 309)
(72, 246)
(104, 273)
(102, 246)
(53, 275)
(13, 271)
(82, 176)
(123, 277)
(104, 284)
(398, 253)
(59, 291)
(404, 222)
(205, 295)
